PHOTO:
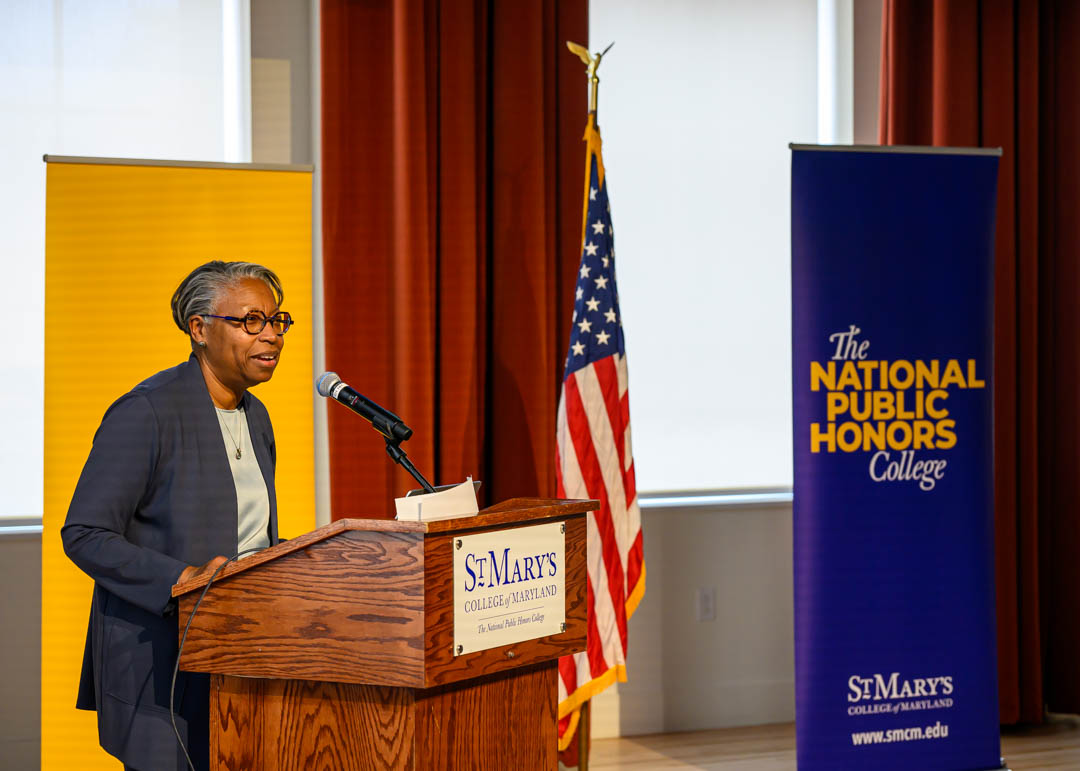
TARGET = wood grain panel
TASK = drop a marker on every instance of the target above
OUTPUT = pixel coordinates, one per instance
(302, 725)
(297, 544)
(346, 609)
(504, 721)
(513, 510)
(443, 667)
(521, 504)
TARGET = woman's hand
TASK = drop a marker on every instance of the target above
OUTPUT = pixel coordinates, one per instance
(191, 572)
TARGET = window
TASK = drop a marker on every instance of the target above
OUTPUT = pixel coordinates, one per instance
(698, 102)
(135, 80)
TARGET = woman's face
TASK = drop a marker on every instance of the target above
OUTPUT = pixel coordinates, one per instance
(237, 359)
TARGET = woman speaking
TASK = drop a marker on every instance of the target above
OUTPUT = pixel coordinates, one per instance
(181, 473)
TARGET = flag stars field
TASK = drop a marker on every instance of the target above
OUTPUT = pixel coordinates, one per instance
(597, 266)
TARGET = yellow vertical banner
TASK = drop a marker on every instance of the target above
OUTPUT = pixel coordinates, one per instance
(119, 238)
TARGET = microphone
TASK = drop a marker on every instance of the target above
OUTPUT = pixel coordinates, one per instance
(382, 420)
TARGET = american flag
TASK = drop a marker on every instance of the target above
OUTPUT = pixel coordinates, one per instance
(594, 458)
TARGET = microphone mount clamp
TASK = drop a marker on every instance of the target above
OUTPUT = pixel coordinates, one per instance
(393, 449)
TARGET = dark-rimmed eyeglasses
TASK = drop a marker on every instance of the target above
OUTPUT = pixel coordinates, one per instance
(255, 321)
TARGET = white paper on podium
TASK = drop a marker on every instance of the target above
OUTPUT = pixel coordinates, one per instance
(456, 501)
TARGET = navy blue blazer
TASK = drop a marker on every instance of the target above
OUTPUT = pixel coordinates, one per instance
(156, 495)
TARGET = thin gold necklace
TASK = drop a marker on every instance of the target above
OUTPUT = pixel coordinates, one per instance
(239, 452)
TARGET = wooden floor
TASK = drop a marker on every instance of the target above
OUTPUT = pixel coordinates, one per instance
(1055, 745)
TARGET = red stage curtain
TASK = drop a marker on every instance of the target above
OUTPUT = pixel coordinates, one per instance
(998, 73)
(452, 166)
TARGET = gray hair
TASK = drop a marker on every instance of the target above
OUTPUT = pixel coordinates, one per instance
(198, 294)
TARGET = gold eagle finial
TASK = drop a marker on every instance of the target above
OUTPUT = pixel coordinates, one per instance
(593, 64)
(581, 51)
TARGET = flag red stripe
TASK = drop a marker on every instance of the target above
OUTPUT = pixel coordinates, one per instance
(619, 415)
(608, 379)
(606, 388)
(630, 478)
(568, 673)
(568, 758)
(578, 423)
(594, 646)
(560, 487)
(635, 558)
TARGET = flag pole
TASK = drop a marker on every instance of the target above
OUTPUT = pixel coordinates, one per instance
(592, 63)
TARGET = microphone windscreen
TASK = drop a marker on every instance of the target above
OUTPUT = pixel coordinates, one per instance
(326, 382)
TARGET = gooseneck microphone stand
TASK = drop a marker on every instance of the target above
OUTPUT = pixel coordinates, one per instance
(393, 449)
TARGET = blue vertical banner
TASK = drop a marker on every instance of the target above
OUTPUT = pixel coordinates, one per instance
(892, 322)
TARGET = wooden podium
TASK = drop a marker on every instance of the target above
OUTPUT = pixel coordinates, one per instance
(334, 651)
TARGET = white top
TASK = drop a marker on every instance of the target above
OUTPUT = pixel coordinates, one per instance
(252, 500)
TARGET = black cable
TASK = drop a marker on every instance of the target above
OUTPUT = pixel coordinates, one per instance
(180, 650)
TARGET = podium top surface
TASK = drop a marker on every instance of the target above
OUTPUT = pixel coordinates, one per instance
(508, 512)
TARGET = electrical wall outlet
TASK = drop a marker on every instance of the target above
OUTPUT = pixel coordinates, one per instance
(706, 603)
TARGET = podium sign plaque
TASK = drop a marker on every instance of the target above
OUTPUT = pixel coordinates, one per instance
(509, 586)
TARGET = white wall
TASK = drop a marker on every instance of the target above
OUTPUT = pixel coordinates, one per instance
(867, 56)
(283, 30)
(738, 669)
(20, 652)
